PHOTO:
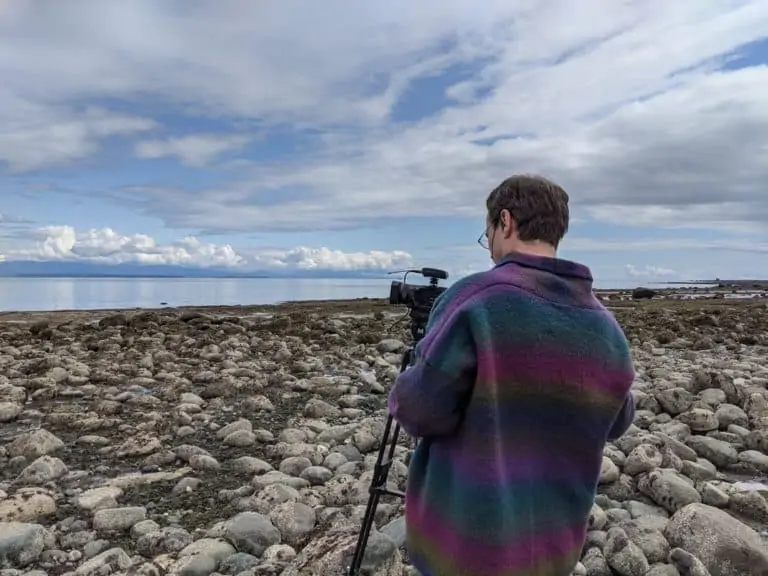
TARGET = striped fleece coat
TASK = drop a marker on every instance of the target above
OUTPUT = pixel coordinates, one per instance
(519, 382)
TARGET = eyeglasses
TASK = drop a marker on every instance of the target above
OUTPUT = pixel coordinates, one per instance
(483, 239)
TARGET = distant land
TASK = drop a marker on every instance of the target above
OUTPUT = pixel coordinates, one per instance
(720, 283)
(35, 269)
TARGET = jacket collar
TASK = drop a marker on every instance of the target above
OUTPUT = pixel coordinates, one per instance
(556, 266)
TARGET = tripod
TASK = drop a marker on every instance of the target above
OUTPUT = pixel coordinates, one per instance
(378, 486)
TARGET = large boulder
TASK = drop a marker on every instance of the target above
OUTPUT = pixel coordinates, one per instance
(643, 293)
(726, 546)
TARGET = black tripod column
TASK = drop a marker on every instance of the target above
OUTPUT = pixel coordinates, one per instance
(379, 481)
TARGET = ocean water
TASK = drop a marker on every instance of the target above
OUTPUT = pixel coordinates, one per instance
(34, 294)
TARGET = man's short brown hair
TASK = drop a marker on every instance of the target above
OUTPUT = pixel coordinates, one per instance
(538, 206)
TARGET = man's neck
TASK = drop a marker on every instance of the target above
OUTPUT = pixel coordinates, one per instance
(536, 249)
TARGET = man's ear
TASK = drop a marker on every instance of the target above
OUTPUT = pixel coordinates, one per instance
(508, 224)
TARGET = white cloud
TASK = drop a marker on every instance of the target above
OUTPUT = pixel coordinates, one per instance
(34, 136)
(306, 258)
(196, 150)
(581, 244)
(105, 246)
(619, 101)
(648, 271)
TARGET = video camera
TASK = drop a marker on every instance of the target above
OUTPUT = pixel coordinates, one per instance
(418, 299)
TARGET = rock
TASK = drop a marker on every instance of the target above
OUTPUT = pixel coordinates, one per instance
(724, 545)
(9, 411)
(595, 564)
(663, 570)
(248, 465)
(669, 489)
(687, 564)
(643, 294)
(626, 558)
(35, 444)
(43, 470)
(609, 472)
(700, 420)
(164, 541)
(199, 565)
(390, 345)
(718, 452)
(216, 549)
(109, 561)
(644, 458)
(21, 544)
(730, 415)
(675, 400)
(294, 520)
(240, 438)
(650, 540)
(331, 553)
(750, 504)
(252, 533)
(118, 519)
(102, 497)
(27, 505)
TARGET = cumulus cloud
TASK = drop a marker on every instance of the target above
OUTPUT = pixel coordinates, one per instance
(648, 271)
(106, 246)
(627, 104)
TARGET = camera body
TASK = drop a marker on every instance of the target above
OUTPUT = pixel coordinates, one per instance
(418, 299)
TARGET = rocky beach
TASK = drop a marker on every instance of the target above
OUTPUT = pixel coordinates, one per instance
(240, 441)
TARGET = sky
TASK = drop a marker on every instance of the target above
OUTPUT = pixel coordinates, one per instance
(352, 135)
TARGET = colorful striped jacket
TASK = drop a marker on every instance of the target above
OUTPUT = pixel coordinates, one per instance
(521, 379)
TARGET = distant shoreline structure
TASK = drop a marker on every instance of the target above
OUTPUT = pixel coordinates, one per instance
(718, 283)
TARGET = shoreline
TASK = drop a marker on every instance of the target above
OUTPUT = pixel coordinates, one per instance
(613, 298)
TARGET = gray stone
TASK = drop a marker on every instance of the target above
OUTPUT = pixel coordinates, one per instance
(239, 562)
(21, 544)
(623, 555)
(720, 453)
(252, 533)
(395, 530)
(109, 561)
(118, 519)
(668, 488)
(724, 545)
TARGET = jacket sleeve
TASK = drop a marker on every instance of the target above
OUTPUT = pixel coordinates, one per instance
(624, 419)
(428, 398)
(626, 415)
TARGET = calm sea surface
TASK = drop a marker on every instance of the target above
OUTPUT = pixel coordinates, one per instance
(98, 293)
(17, 294)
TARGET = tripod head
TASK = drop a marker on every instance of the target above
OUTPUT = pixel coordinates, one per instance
(419, 299)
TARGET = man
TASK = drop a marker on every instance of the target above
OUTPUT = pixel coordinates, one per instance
(521, 379)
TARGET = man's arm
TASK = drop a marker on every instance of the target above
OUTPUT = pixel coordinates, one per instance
(428, 398)
(626, 415)
(624, 419)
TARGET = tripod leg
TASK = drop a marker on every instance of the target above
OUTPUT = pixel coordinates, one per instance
(378, 482)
